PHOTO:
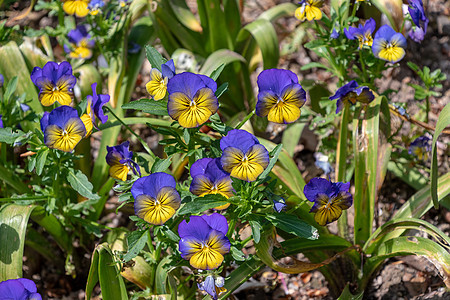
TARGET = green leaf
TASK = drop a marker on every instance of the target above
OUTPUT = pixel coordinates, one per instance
(347, 295)
(10, 88)
(237, 254)
(184, 15)
(278, 11)
(202, 203)
(158, 108)
(8, 136)
(136, 241)
(219, 59)
(256, 230)
(393, 11)
(162, 272)
(402, 169)
(443, 121)
(104, 270)
(266, 38)
(161, 165)
(154, 57)
(80, 183)
(291, 136)
(292, 224)
(41, 158)
(221, 89)
(275, 153)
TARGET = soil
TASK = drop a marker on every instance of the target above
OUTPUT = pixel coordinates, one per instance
(408, 277)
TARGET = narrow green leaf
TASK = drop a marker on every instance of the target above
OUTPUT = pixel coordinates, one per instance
(162, 272)
(443, 121)
(402, 169)
(80, 183)
(218, 58)
(111, 283)
(14, 181)
(184, 15)
(10, 88)
(347, 295)
(237, 254)
(275, 153)
(202, 203)
(291, 137)
(158, 108)
(221, 89)
(92, 275)
(292, 224)
(136, 241)
(266, 38)
(161, 165)
(278, 11)
(154, 57)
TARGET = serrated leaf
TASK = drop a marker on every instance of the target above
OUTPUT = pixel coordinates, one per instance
(293, 225)
(136, 241)
(80, 183)
(154, 57)
(202, 203)
(157, 108)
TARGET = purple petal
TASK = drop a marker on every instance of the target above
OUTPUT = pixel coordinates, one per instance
(369, 26)
(168, 69)
(209, 287)
(385, 32)
(97, 103)
(60, 115)
(217, 222)
(344, 90)
(197, 228)
(151, 184)
(189, 83)
(238, 138)
(275, 80)
(316, 186)
(199, 167)
(13, 289)
(214, 170)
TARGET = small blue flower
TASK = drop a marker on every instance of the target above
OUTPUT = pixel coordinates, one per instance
(2, 80)
(420, 20)
(279, 205)
(421, 147)
(388, 44)
(19, 289)
(352, 93)
(334, 34)
(362, 33)
(1, 121)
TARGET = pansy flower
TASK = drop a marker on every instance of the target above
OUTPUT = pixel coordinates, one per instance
(19, 289)
(94, 108)
(420, 20)
(55, 82)
(62, 128)
(243, 156)
(95, 7)
(421, 147)
(388, 44)
(119, 158)
(280, 96)
(208, 177)
(309, 10)
(81, 43)
(191, 99)
(76, 7)
(203, 241)
(213, 287)
(362, 33)
(1, 121)
(156, 199)
(330, 199)
(352, 93)
(334, 34)
(157, 86)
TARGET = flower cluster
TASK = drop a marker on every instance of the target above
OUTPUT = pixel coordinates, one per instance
(420, 20)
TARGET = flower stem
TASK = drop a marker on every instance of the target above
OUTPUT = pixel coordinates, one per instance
(245, 119)
(363, 66)
(144, 144)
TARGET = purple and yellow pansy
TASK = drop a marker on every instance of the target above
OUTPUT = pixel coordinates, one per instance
(280, 96)
(352, 93)
(388, 44)
(95, 7)
(78, 8)
(55, 82)
(81, 43)
(94, 108)
(208, 177)
(362, 33)
(203, 241)
(330, 199)
(157, 86)
(120, 160)
(156, 199)
(243, 156)
(421, 148)
(62, 128)
(191, 99)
